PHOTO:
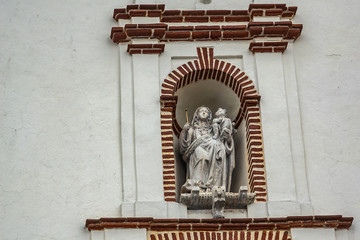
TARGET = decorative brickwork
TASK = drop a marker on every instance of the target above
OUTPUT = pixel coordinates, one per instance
(158, 10)
(220, 235)
(206, 67)
(229, 225)
(246, 29)
(268, 47)
(145, 48)
(164, 33)
(168, 104)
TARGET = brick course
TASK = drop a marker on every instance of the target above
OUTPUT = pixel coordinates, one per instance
(221, 228)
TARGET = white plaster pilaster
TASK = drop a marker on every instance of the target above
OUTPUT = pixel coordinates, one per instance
(275, 126)
(127, 126)
(148, 155)
(296, 136)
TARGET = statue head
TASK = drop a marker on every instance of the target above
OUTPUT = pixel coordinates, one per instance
(221, 112)
(202, 114)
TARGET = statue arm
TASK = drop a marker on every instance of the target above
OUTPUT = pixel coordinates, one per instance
(185, 139)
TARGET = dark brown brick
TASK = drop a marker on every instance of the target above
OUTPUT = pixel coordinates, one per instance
(200, 34)
(170, 199)
(122, 16)
(218, 12)
(255, 30)
(154, 13)
(216, 19)
(207, 27)
(279, 49)
(171, 12)
(196, 19)
(279, 30)
(233, 27)
(332, 224)
(261, 5)
(148, 6)
(293, 33)
(257, 13)
(119, 225)
(189, 220)
(184, 227)
(283, 44)
(281, 225)
(169, 182)
(162, 227)
(137, 13)
(252, 24)
(344, 225)
(233, 226)
(172, 19)
(258, 226)
(177, 34)
(215, 220)
(300, 218)
(181, 28)
(132, 6)
(205, 227)
(241, 220)
(286, 23)
(135, 51)
(91, 221)
(118, 36)
(193, 12)
(273, 12)
(287, 14)
(235, 34)
(159, 33)
(118, 10)
(138, 32)
(314, 224)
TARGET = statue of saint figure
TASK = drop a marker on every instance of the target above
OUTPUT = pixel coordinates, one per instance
(207, 147)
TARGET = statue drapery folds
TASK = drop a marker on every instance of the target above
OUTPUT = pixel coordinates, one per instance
(207, 146)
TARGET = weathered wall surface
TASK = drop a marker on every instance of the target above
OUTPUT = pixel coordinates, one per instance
(59, 112)
(327, 67)
(59, 118)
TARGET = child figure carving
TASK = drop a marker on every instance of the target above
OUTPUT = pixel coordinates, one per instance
(210, 158)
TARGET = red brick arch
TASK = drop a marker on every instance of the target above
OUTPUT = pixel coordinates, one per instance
(206, 67)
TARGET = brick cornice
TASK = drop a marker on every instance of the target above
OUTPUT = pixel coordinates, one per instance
(185, 224)
(226, 25)
(158, 10)
(165, 33)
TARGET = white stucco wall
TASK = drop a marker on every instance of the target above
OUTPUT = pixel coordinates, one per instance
(59, 112)
(327, 66)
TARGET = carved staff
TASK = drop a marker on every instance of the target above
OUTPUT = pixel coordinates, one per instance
(187, 116)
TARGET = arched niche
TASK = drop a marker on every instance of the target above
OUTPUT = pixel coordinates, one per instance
(214, 83)
(213, 94)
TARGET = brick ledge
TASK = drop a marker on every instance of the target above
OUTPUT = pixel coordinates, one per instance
(187, 224)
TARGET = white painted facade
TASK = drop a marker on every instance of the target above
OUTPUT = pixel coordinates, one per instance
(76, 109)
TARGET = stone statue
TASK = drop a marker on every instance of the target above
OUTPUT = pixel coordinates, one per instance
(207, 146)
